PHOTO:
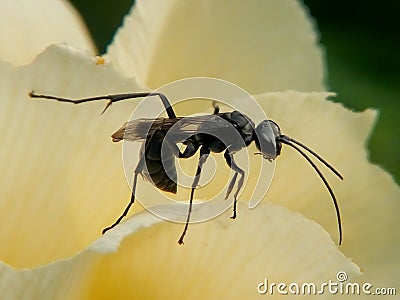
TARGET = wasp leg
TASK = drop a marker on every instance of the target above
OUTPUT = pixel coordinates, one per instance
(111, 99)
(232, 164)
(231, 185)
(204, 152)
(216, 108)
(190, 150)
(138, 169)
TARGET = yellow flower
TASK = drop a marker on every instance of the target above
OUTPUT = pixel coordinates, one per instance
(63, 182)
(52, 21)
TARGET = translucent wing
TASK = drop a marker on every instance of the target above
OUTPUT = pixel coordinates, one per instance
(137, 130)
(179, 129)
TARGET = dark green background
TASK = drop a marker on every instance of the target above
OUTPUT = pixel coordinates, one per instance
(362, 48)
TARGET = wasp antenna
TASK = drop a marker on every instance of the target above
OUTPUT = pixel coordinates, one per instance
(329, 166)
(289, 142)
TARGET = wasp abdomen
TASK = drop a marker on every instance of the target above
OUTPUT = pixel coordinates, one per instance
(160, 163)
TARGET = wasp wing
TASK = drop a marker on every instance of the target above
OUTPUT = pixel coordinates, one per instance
(137, 130)
(178, 129)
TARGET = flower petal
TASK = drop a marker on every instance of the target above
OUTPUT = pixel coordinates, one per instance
(259, 45)
(228, 257)
(368, 197)
(61, 172)
(28, 27)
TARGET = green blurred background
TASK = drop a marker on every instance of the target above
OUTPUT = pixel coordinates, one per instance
(362, 48)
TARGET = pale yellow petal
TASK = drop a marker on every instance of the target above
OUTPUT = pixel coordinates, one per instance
(368, 197)
(221, 259)
(259, 45)
(28, 27)
(62, 177)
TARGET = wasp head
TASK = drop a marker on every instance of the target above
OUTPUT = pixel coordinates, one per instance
(266, 138)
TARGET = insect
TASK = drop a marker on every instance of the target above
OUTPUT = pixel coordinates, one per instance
(198, 133)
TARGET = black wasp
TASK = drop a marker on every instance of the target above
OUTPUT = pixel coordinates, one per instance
(198, 133)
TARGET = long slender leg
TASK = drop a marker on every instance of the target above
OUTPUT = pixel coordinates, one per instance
(204, 152)
(190, 150)
(231, 185)
(138, 169)
(232, 164)
(112, 99)
(216, 108)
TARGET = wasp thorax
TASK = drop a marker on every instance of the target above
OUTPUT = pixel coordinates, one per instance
(266, 133)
